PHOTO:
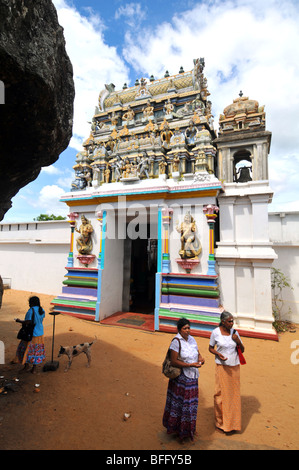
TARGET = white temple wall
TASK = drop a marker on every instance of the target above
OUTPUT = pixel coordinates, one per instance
(112, 278)
(33, 255)
(284, 233)
(245, 255)
(39, 266)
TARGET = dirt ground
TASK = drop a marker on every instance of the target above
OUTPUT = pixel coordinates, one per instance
(84, 408)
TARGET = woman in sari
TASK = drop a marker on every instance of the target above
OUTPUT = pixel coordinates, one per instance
(33, 352)
(227, 398)
(180, 412)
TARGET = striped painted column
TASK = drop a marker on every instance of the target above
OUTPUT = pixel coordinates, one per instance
(193, 296)
(159, 271)
(100, 219)
(72, 216)
(166, 218)
(209, 211)
(101, 258)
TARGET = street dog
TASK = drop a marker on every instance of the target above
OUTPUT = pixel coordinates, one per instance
(73, 351)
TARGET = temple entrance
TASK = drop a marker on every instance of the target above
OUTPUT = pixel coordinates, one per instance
(143, 270)
(140, 267)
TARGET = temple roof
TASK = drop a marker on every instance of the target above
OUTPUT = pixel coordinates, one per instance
(155, 129)
(183, 83)
(242, 114)
(148, 90)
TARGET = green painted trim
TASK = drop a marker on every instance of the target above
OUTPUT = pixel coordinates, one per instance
(80, 283)
(75, 303)
(191, 292)
(189, 286)
(81, 278)
(192, 317)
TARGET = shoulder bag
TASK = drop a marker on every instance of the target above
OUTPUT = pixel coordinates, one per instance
(26, 332)
(169, 370)
(240, 354)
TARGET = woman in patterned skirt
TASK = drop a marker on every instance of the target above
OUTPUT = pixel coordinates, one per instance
(33, 352)
(180, 412)
(227, 398)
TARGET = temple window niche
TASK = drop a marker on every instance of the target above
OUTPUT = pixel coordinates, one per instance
(242, 166)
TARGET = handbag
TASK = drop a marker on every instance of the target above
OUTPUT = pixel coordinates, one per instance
(240, 354)
(241, 357)
(26, 332)
(169, 370)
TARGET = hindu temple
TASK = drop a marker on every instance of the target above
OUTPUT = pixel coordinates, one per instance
(168, 215)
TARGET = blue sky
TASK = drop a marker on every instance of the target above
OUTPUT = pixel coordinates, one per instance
(248, 45)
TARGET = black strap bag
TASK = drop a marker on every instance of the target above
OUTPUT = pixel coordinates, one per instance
(26, 332)
(169, 370)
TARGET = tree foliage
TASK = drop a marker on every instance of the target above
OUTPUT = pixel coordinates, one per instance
(46, 217)
(278, 282)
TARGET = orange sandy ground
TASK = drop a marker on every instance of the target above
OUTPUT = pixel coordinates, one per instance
(84, 408)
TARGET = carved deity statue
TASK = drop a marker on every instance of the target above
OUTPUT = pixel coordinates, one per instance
(175, 163)
(114, 118)
(190, 244)
(144, 165)
(107, 173)
(168, 108)
(148, 110)
(166, 136)
(118, 168)
(84, 241)
(197, 105)
(162, 166)
(190, 133)
(87, 175)
(129, 169)
(129, 114)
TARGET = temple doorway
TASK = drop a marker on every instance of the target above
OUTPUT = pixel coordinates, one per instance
(140, 267)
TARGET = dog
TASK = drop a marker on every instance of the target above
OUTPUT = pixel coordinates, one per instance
(73, 351)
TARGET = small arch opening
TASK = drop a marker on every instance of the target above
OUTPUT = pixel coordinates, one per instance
(242, 166)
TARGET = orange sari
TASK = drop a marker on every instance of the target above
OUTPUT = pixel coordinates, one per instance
(227, 398)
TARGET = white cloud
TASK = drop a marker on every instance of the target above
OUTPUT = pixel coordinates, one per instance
(133, 13)
(248, 45)
(48, 201)
(64, 177)
(94, 64)
(29, 203)
(65, 181)
(51, 170)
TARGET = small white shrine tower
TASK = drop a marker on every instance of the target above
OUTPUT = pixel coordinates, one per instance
(244, 253)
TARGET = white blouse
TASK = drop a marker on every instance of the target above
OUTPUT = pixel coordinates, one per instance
(189, 354)
(226, 346)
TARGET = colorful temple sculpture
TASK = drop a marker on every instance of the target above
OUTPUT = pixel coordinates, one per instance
(172, 216)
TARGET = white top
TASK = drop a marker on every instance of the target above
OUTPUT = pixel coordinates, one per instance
(189, 354)
(226, 346)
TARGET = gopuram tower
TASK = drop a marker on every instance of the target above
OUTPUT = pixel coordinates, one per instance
(155, 190)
